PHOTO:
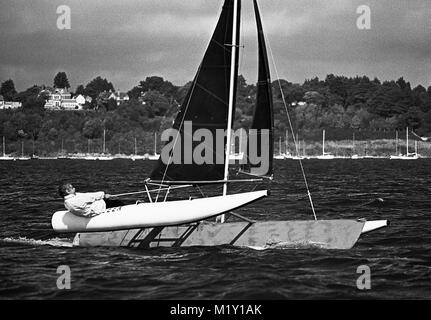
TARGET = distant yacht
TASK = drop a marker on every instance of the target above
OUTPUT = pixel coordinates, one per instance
(137, 157)
(279, 156)
(325, 155)
(408, 155)
(354, 155)
(5, 157)
(154, 156)
(22, 153)
(297, 157)
(89, 157)
(105, 157)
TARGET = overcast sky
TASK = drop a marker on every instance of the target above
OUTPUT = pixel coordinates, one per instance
(126, 41)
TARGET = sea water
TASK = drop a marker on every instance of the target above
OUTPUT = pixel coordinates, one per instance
(398, 258)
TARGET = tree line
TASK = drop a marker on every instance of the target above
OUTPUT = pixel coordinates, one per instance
(343, 104)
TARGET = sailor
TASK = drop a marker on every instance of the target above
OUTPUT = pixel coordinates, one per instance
(84, 204)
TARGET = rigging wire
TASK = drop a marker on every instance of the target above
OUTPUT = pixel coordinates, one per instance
(293, 133)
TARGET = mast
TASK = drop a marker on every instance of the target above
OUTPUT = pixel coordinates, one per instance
(4, 148)
(297, 145)
(136, 147)
(407, 138)
(231, 95)
(279, 146)
(104, 141)
(396, 142)
(353, 143)
(323, 144)
(22, 149)
(287, 138)
(231, 98)
(155, 143)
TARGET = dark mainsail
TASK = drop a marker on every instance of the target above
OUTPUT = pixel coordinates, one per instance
(206, 107)
(261, 133)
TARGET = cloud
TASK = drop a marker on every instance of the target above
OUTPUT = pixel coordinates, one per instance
(129, 40)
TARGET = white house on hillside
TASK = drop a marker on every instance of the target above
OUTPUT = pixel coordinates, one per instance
(60, 99)
(9, 104)
(119, 97)
(300, 103)
(80, 99)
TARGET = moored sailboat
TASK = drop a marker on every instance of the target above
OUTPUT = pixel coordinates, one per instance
(4, 156)
(408, 155)
(325, 155)
(155, 155)
(210, 105)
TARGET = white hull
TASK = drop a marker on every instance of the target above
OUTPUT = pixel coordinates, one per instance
(144, 215)
(409, 157)
(326, 157)
(236, 156)
(374, 225)
(133, 158)
(154, 157)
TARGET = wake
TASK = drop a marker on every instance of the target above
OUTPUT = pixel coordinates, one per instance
(54, 242)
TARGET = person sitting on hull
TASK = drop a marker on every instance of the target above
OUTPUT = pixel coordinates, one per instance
(88, 204)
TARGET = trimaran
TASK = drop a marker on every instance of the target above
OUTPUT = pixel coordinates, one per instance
(210, 104)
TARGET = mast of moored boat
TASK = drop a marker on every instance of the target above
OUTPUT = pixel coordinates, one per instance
(155, 143)
(396, 142)
(297, 145)
(231, 98)
(4, 148)
(279, 146)
(136, 148)
(353, 143)
(323, 143)
(104, 141)
(407, 139)
(287, 143)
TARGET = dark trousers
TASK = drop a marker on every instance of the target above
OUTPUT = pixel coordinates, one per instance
(110, 203)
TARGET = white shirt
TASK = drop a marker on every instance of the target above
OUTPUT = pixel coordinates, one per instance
(85, 204)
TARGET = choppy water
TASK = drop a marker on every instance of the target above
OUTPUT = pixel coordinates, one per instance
(399, 257)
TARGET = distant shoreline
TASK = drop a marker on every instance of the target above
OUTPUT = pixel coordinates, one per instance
(380, 148)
